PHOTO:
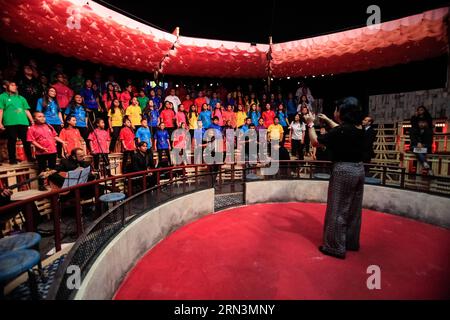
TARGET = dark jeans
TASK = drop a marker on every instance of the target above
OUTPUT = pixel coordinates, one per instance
(422, 157)
(307, 142)
(297, 149)
(170, 131)
(14, 132)
(163, 158)
(58, 128)
(84, 132)
(114, 137)
(45, 161)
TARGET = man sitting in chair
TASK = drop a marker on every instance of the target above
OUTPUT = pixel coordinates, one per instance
(142, 161)
(73, 162)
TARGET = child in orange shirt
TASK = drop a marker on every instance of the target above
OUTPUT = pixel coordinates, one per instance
(71, 135)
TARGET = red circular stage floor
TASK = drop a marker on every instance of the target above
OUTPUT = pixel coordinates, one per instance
(269, 251)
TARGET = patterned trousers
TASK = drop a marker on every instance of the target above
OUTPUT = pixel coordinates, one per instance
(344, 207)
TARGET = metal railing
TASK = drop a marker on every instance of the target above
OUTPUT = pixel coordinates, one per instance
(148, 189)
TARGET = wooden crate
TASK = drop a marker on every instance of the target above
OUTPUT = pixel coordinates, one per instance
(12, 174)
(385, 146)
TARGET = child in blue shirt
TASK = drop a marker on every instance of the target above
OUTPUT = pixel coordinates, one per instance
(282, 116)
(78, 110)
(205, 116)
(162, 139)
(143, 134)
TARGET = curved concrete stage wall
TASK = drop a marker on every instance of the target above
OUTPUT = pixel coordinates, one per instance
(415, 205)
(119, 256)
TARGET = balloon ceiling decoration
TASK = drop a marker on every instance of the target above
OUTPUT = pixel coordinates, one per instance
(89, 31)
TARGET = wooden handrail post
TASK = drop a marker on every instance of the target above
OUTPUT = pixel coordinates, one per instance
(78, 218)
(56, 222)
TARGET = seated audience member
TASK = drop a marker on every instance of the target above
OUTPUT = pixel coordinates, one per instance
(74, 161)
(142, 160)
(422, 138)
(421, 114)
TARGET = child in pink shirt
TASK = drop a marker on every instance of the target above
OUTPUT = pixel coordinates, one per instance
(99, 140)
(44, 138)
(181, 116)
(218, 113)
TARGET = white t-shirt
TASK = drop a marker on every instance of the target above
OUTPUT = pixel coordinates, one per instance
(175, 101)
(297, 130)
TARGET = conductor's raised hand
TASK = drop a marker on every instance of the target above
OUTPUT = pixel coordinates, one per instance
(309, 118)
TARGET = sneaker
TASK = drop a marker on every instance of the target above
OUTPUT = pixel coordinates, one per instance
(426, 165)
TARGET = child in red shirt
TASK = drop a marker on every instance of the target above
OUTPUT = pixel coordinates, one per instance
(168, 117)
(127, 137)
(44, 138)
(268, 116)
(99, 139)
(71, 135)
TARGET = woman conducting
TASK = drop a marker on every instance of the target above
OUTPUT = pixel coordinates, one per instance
(345, 190)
